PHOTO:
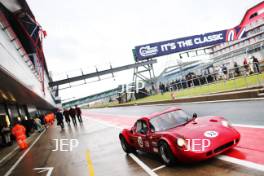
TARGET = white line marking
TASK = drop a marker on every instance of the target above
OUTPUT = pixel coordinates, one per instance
(45, 169)
(221, 157)
(241, 162)
(113, 115)
(11, 153)
(115, 126)
(158, 168)
(249, 126)
(21, 157)
(136, 159)
(143, 165)
(202, 102)
(106, 123)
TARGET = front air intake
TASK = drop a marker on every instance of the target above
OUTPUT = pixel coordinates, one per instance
(222, 147)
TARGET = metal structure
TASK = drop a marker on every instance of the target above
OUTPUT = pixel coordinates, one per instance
(92, 98)
(140, 70)
(100, 73)
(191, 46)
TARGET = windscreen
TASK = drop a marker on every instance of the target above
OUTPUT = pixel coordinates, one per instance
(169, 120)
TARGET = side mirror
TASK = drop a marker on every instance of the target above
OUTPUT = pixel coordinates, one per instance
(194, 116)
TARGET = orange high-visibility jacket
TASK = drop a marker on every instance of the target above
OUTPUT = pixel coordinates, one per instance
(19, 132)
(52, 117)
(47, 118)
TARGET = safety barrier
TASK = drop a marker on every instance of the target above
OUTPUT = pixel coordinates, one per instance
(238, 78)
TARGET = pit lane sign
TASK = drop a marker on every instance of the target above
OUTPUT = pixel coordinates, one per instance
(157, 49)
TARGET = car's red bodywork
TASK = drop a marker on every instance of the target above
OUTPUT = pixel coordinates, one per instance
(227, 137)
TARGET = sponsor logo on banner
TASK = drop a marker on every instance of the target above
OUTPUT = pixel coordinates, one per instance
(242, 33)
(187, 43)
(177, 45)
(235, 34)
(146, 51)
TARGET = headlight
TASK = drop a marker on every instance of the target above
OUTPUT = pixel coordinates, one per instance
(225, 123)
(181, 142)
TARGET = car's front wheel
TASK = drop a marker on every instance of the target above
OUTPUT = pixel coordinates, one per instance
(166, 154)
(125, 146)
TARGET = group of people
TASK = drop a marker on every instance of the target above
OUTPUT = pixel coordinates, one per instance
(23, 127)
(17, 132)
(69, 115)
(250, 66)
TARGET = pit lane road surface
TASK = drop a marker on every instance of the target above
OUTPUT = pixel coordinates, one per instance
(247, 117)
(98, 136)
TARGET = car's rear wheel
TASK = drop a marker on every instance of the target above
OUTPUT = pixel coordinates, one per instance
(125, 146)
(166, 154)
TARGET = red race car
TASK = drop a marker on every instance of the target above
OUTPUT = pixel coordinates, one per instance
(176, 136)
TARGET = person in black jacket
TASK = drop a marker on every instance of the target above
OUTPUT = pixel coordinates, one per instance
(236, 67)
(255, 64)
(73, 116)
(78, 113)
(59, 118)
(67, 116)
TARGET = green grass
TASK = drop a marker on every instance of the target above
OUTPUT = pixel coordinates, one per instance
(220, 86)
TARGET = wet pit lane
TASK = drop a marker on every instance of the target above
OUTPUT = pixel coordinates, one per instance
(99, 151)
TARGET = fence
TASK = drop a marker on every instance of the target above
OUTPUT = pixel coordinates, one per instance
(238, 78)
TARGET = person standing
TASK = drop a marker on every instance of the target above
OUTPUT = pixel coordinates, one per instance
(255, 64)
(25, 122)
(236, 67)
(42, 119)
(160, 89)
(19, 131)
(218, 73)
(73, 116)
(246, 66)
(6, 134)
(38, 124)
(59, 118)
(78, 113)
(225, 71)
(47, 119)
(67, 116)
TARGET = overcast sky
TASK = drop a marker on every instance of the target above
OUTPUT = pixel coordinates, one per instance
(88, 33)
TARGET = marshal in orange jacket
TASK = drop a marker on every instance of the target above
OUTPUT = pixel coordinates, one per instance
(19, 132)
